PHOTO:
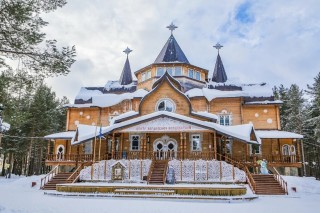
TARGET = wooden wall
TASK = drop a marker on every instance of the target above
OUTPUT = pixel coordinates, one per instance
(231, 105)
(165, 91)
(261, 116)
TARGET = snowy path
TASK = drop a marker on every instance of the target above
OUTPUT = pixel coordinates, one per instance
(16, 195)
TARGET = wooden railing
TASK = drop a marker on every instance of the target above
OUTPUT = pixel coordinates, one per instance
(150, 170)
(280, 180)
(75, 175)
(161, 155)
(165, 172)
(49, 176)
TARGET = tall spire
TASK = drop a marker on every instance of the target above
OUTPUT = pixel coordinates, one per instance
(219, 74)
(171, 51)
(126, 76)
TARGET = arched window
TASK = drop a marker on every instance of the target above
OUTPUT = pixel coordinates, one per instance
(166, 105)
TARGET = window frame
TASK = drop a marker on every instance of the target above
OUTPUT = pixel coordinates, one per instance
(190, 71)
(200, 142)
(165, 100)
(163, 70)
(175, 71)
(196, 75)
(131, 142)
(256, 153)
(224, 116)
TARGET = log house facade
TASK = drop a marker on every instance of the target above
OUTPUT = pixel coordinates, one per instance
(175, 111)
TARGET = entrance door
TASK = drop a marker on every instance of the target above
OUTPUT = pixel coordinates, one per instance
(165, 148)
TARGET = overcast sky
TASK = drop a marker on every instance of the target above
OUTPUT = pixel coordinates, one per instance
(277, 41)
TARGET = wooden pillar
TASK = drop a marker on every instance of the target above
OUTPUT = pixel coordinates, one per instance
(298, 151)
(181, 146)
(215, 144)
(185, 146)
(121, 143)
(280, 151)
(48, 151)
(278, 117)
(113, 148)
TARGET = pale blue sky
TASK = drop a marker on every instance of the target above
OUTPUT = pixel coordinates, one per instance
(273, 41)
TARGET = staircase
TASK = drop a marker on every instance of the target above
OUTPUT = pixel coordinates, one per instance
(59, 178)
(158, 172)
(267, 185)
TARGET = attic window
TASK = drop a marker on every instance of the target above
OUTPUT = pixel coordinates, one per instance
(165, 105)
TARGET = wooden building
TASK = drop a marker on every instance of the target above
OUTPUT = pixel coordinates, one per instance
(175, 110)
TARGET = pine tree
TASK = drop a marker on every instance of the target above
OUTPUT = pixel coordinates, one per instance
(294, 110)
(21, 37)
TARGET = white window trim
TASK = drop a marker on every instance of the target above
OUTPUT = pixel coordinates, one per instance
(291, 149)
(191, 142)
(139, 144)
(165, 99)
(63, 149)
(175, 74)
(224, 113)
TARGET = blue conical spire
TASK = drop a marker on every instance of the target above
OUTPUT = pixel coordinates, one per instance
(126, 76)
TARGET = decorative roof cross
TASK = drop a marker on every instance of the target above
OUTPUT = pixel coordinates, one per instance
(127, 51)
(172, 27)
(218, 46)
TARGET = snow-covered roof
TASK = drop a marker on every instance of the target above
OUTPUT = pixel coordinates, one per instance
(116, 85)
(87, 132)
(61, 135)
(248, 90)
(266, 102)
(240, 132)
(85, 94)
(106, 100)
(277, 134)
(206, 114)
(122, 116)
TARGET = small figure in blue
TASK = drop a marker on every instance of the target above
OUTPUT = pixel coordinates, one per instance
(264, 167)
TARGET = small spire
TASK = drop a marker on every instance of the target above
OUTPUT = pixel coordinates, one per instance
(126, 76)
(172, 27)
(127, 51)
(218, 46)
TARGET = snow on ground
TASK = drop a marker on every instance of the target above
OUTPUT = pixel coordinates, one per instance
(16, 195)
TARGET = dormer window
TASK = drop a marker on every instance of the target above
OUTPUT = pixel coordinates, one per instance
(225, 118)
(166, 105)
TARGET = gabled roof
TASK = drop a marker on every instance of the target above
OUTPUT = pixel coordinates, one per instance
(126, 76)
(171, 52)
(240, 132)
(219, 74)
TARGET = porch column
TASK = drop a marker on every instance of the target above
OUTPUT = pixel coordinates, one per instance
(113, 147)
(181, 146)
(145, 145)
(298, 151)
(70, 147)
(185, 146)
(215, 144)
(77, 157)
(280, 151)
(121, 144)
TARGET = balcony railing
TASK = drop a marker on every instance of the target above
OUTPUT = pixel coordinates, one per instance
(161, 155)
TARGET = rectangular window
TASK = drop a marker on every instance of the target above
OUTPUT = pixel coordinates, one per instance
(178, 71)
(170, 70)
(135, 142)
(148, 75)
(225, 120)
(88, 147)
(190, 73)
(160, 71)
(143, 76)
(198, 77)
(255, 149)
(196, 142)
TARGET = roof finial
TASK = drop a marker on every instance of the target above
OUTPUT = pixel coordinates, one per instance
(172, 27)
(218, 46)
(127, 51)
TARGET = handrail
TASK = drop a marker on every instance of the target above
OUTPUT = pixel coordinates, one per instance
(150, 170)
(281, 181)
(165, 172)
(47, 178)
(75, 172)
(250, 180)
